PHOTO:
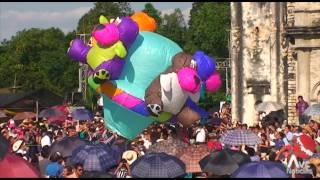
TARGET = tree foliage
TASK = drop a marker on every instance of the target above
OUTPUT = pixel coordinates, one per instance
(208, 25)
(173, 27)
(108, 9)
(153, 12)
(38, 59)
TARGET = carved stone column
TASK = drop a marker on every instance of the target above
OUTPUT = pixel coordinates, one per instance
(236, 88)
(292, 96)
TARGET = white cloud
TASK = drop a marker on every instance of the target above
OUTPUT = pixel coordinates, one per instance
(13, 21)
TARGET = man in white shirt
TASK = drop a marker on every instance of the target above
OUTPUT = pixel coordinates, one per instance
(45, 140)
(200, 134)
(288, 133)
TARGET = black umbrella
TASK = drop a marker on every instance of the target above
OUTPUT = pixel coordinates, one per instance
(67, 145)
(50, 112)
(223, 162)
(4, 146)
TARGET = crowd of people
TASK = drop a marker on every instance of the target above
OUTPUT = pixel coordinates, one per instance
(32, 140)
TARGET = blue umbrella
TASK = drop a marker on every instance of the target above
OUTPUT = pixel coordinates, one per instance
(82, 114)
(261, 169)
(158, 165)
(96, 157)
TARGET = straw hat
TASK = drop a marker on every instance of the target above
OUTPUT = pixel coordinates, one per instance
(17, 145)
(130, 156)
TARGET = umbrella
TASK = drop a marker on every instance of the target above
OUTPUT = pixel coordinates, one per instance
(238, 137)
(3, 114)
(57, 119)
(313, 110)
(62, 108)
(157, 165)
(50, 112)
(96, 175)
(192, 155)
(4, 146)
(269, 106)
(12, 166)
(24, 115)
(66, 145)
(223, 162)
(261, 169)
(82, 114)
(171, 146)
(95, 157)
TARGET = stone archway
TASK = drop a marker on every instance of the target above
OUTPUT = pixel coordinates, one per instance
(315, 93)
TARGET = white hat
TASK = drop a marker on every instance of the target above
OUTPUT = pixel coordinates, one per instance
(16, 146)
(279, 130)
(130, 156)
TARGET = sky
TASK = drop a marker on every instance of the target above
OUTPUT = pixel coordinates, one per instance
(16, 16)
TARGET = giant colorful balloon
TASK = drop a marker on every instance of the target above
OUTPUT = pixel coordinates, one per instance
(143, 76)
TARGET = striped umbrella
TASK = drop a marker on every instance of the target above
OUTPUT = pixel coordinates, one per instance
(238, 137)
(313, 110)
(192, 155)
(158, 165)
(96, 157)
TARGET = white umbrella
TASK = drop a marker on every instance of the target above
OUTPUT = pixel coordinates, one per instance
(313, 110)
(269, 106)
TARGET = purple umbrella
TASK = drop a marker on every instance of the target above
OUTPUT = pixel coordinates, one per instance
(261, 169)
(82, 114)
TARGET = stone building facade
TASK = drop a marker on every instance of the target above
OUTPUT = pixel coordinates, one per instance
(275, 56)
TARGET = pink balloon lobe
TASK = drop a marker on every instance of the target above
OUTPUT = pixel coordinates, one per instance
(108, 35)
(189, 80)
(213, 83)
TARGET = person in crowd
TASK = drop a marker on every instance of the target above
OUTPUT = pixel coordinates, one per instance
(288, 133)
(44, 160)
(67, 172)
(200, 134)
(301, 106)
(55, 168)
(123, 170)
(251, 152)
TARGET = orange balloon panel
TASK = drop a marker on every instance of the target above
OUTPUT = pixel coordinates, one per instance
(144, 21)
(109, 89)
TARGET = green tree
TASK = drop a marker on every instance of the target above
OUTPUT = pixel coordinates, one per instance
(208, 26)
(174, 27)
(38, 58)
(153, 12)
(108, 9)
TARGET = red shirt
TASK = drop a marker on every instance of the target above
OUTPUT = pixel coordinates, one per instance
(214, 145)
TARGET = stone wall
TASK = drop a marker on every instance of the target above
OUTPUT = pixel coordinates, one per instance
(275, 55)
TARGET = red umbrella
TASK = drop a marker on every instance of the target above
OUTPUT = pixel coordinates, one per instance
(62, 108)
(12, 166)
(57, 119)
(24, 115)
